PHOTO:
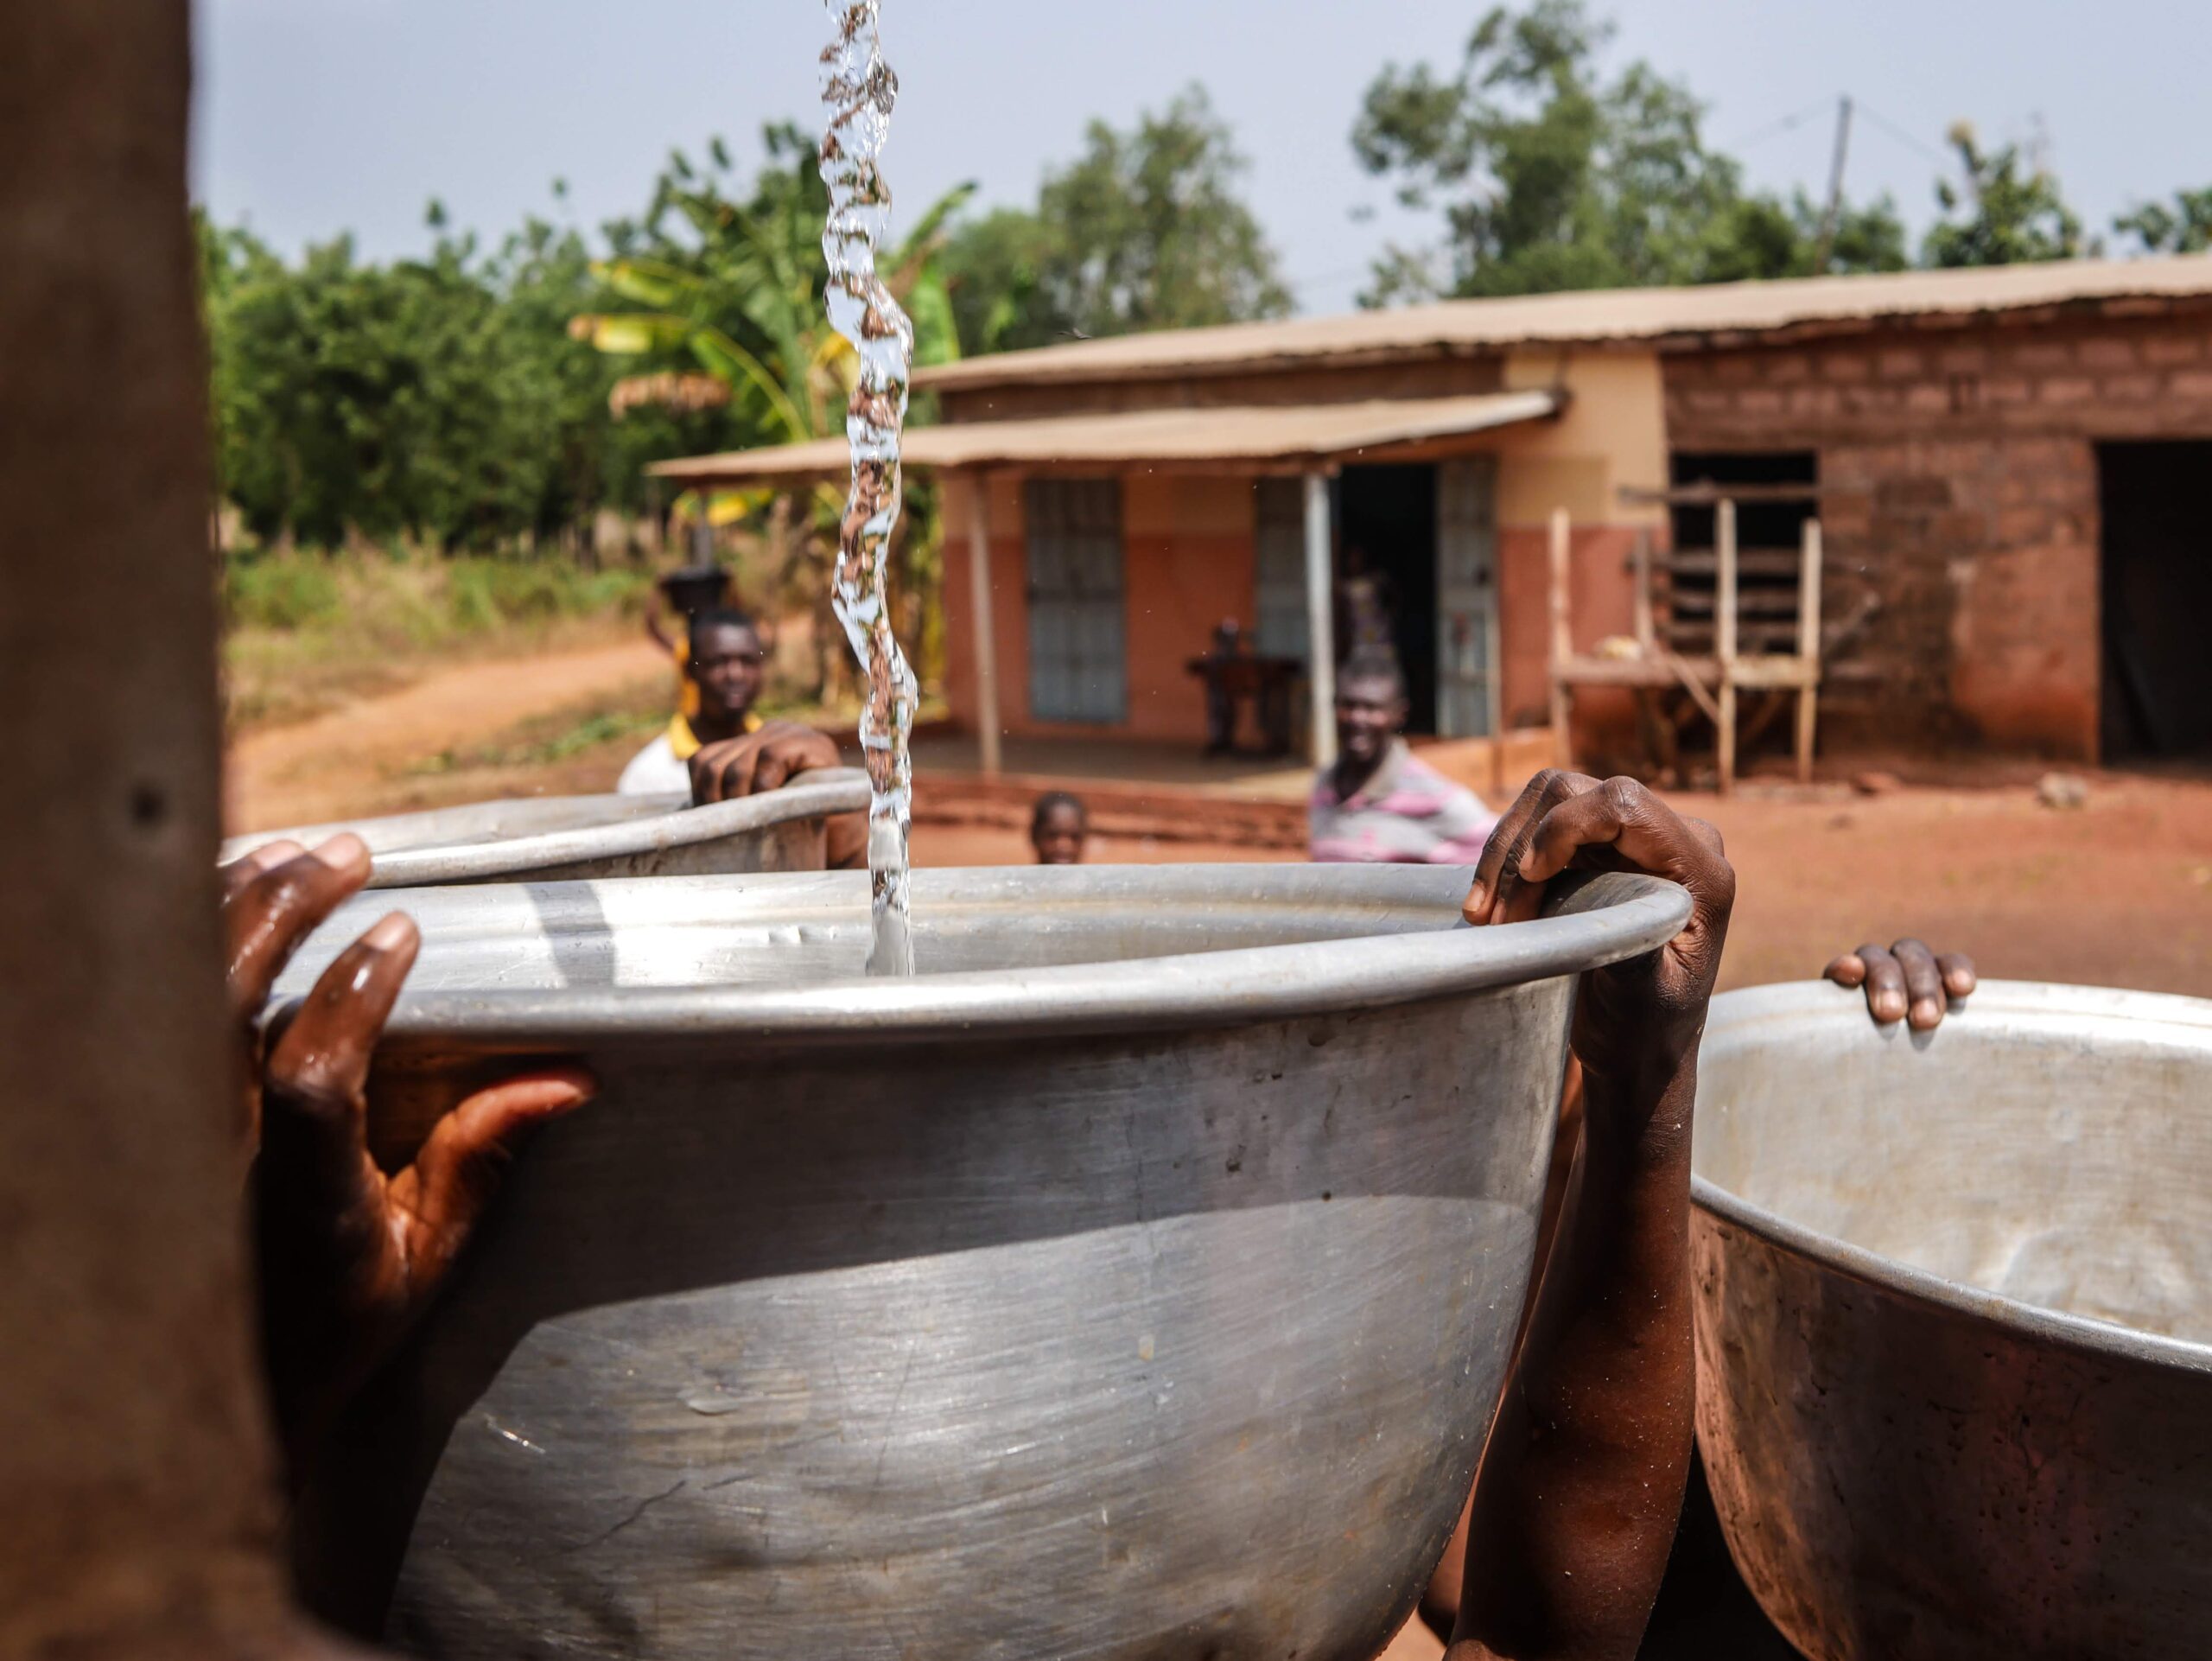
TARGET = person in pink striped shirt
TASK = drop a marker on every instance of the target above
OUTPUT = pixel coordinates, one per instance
(1380, 803)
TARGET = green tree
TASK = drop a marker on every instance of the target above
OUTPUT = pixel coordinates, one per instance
(996, 269)
(724, 280)
(1145, 230)
(1551, 174)
(2181, 226)
(733, 287)
(2004, 213)
(1761, 236)
(436, 401)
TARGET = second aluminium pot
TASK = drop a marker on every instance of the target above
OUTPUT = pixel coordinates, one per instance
(554, 839)
(1954, 1321)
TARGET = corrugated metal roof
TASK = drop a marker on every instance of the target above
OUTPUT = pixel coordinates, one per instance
(1594, 316)
(1271, 436)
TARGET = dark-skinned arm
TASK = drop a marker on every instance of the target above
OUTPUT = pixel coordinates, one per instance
(349, 1256)
(769, 759)
(1574, 1509)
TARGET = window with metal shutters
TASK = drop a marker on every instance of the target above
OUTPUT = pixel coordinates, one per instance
(1467, 685)
(1279, 575)
(1078, 665)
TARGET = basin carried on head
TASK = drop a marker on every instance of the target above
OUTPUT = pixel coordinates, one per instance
(1135, 1282)
(548, 838)
(1954, 1321)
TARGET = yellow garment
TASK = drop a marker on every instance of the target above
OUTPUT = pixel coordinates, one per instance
(687, 689)
(685, 743)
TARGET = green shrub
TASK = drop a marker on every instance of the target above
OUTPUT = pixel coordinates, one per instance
(488, 593)
(280, 592)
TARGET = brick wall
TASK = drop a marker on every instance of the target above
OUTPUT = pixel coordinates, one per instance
(1970, 537)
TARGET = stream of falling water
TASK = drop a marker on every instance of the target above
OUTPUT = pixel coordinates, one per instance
(859, 90)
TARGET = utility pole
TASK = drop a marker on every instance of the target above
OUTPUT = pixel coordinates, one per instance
(1834, 214)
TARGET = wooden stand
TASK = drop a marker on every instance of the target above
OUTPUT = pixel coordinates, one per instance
(1713, 679)
(142, 1519)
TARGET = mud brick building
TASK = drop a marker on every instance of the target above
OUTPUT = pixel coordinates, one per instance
(2017, 511)
(2006, 464)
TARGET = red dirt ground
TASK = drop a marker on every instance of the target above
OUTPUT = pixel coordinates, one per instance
(2118, 892)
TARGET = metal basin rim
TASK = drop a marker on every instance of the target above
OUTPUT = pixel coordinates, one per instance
(840, 789)
(2084, 1334)
(1606, 919)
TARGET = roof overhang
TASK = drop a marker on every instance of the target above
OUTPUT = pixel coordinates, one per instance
(1244, 439)
(1656, 320)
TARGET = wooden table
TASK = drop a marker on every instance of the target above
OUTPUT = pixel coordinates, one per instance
(1266, 683)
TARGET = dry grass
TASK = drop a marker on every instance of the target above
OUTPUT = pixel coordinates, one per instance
(308, 632)
(592, 736)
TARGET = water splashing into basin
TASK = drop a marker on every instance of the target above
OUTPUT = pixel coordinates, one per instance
(859, 90)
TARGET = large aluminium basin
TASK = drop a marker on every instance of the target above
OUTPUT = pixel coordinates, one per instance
(549, 838)
(1954, 1321)
(1135, 1282)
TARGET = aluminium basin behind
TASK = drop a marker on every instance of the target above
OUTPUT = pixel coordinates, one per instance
(1954, 1321)
(553, 838)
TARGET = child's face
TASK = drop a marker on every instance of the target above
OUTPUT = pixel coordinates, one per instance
(1059, 838)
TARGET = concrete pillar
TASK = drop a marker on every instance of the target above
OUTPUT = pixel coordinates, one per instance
(988, 725)
(1560, 550)
(137, 1494)
(1320, 618)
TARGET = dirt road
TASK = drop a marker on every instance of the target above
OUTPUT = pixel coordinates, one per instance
(343, 762)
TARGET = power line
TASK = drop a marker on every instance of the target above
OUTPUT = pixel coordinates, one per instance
(1780, 125)
(1903, 137)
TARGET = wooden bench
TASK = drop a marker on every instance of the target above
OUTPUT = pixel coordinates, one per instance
(1700, 644)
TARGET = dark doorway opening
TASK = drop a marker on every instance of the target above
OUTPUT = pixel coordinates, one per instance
(1770, 523)
(2156, 599)
(1386, 574)
(1768, 527)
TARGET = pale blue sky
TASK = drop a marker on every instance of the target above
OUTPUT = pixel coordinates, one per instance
(319, 116)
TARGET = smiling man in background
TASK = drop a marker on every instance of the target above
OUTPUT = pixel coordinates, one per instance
(1379, 803)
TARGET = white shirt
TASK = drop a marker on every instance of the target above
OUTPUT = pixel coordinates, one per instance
(654, 771)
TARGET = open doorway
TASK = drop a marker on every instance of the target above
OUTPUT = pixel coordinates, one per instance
(2156, 599)
(1386, 573)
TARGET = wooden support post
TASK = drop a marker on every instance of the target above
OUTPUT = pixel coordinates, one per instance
(142, 1513)
(1562, 637)
(1320, 618)
(1647, 632)
(1724, 639)
(981, 622)
(1809, 646)
(779, 535)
